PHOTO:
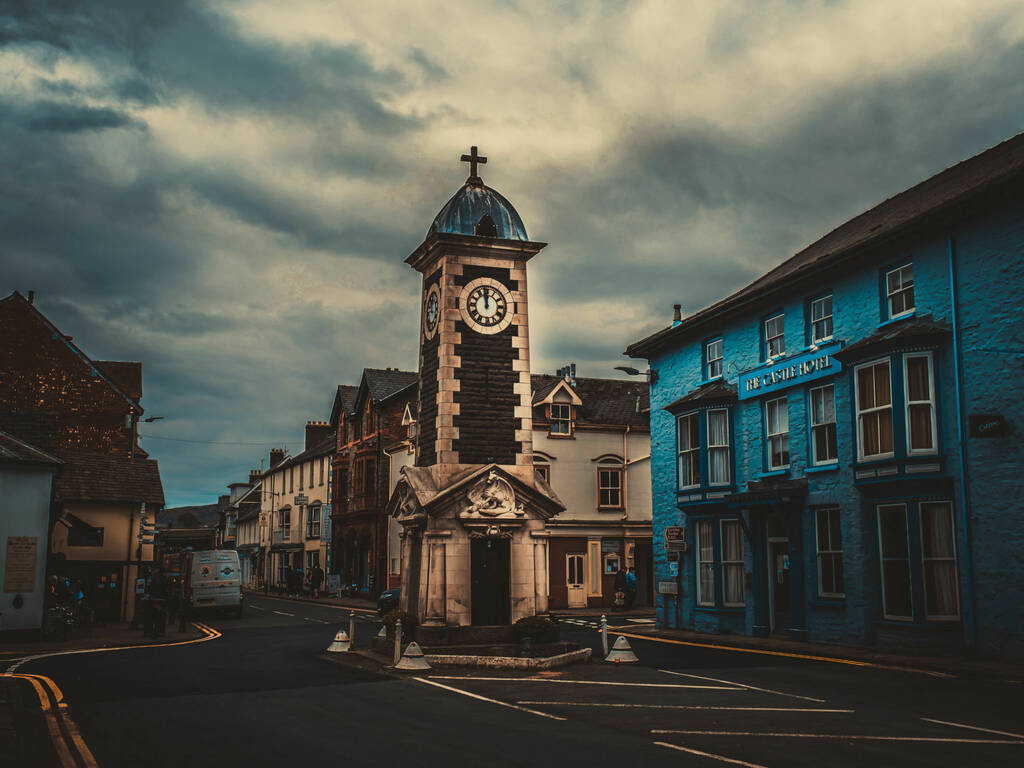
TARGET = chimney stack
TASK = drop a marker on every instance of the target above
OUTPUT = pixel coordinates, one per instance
(677, 314)
(254, 477)
(316, 432)
(31, 297)
(276, 456)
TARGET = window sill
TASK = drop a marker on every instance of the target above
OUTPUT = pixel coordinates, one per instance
(920, 626)
(774, 473)
(896, 319)
(822, 468)
(712, 609)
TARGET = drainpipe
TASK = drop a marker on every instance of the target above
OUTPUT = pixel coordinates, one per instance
(970, 628)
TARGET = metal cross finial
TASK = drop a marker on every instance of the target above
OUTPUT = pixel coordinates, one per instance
(473, 159)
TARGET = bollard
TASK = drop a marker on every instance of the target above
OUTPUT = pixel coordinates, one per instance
(604, 635)
(383, 632)
(352, 627)
(398, 641)
(621, 652)
(413, 660)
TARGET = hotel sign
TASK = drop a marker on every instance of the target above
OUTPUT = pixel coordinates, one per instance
(790, 372)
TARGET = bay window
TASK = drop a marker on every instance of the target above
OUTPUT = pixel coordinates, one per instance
(920, 403)
(688, 427)
(874, 410)
(718, 447)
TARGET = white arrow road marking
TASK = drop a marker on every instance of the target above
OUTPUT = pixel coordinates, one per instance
(708, 754)
(484, 698)
(840, 736)
(974, 728)
(584, 682)
(743, 685)
(684, 706)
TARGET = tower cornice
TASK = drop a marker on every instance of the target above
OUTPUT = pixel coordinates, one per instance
(470, 245)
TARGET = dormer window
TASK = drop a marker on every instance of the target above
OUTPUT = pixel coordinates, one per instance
(561, 419)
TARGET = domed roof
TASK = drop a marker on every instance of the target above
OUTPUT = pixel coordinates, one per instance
(476, 209)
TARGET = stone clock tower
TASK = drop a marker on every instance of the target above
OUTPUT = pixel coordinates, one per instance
(473, 510)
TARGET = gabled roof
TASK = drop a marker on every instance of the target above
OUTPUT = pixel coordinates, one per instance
(918, 205)
(344, 399)
(324, 447)
(548, 395)
(128, 376)
(18, 451)
(99, 477)
(384, 383)
(59, 336)
(610, 402)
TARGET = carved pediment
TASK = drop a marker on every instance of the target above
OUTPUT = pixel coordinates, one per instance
(492, 497)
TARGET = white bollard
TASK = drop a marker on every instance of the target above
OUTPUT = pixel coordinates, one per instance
(412, 660)
(341, 643)
(621, 652)
(383, 633)
(604, 635)
(398, 641)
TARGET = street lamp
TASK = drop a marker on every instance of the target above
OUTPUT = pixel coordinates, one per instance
(650, 373)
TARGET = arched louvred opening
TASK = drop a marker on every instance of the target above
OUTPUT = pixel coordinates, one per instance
(485, 227)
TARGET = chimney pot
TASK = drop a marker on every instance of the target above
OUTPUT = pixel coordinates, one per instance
(31, 297)
(677, 314)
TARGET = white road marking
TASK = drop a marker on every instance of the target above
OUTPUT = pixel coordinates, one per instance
(318, 621)
(744, 685)
(583, 682)
(684, 706)
(641, 621)
(708, 754)
(974, 728)
(282, 613)
(257, 608)
(839, 736)
(484, 698)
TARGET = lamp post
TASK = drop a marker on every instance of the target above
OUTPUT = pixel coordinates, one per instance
(650, 373)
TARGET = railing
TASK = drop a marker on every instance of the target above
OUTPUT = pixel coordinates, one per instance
(285, 536)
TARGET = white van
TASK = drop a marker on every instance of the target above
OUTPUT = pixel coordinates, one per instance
(213, 579)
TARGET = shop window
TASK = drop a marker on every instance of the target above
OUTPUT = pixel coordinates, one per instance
(774, 336)
(705, 564)
(823, 425)
(874, 410)
(561, 419)
(821, 319)
(732, 563)
(713, 359)
(612, 563)
(920, 404)
(830, 553)
(899, 291)
(777, 433)
(895, 557)
(609, 487)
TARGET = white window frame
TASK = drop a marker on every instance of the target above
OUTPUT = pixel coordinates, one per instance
(861, 456)
(815, 339)
(781, 316)
(817, 427)
(700, 562)
(544, 468)
(882, 560)
(901, 290)
(692, 450)
(930, 402)
(830, 552)
(557, 422)
(731, 565)
(616, 470)
(769, 436)
(311, 522)
(726, 447)
(715, 346)
(952, 558)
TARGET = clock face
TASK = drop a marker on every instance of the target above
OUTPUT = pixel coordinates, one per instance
(486, 305)
(431, 311)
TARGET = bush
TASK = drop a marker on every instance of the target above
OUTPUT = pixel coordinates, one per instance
(541, 629)
(409, 624)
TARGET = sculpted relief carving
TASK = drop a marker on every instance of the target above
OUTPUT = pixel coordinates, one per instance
(493, 496)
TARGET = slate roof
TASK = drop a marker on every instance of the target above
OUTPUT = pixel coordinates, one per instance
(18, 451)
(717, 391)
(914, 329)
(344, 399)
(325, 446)
(605, 401)
(384, 383)
(37, 429)
(927, 200)
(128, 376)
(99, 477)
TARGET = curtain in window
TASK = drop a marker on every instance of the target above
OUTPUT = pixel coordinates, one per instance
(718, 447)
(705, 566)
(939, 560)
(920, 406)
(732, 562)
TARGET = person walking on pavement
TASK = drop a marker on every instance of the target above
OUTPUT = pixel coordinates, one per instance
(620, 590)
(630, 588)
(316, 578)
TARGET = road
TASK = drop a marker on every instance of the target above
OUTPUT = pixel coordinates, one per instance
(260, 695)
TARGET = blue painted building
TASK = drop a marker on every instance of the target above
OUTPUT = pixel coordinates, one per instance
(839, 442)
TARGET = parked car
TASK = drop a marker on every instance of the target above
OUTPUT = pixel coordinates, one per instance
(388, 601)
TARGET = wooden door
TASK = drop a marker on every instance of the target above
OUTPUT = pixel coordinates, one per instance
(575, 579)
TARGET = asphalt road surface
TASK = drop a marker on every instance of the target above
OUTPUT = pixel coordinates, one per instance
(260, 695)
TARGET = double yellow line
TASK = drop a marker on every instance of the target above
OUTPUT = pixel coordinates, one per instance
(67, 740)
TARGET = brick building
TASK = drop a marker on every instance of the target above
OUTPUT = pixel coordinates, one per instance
(839, 439)
(369, 421)
(85, 412)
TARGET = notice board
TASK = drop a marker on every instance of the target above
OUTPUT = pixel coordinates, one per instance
(20, 564)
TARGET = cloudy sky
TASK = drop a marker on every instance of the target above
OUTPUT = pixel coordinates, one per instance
(226, 191)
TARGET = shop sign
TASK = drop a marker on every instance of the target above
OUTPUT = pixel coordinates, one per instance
(611, 545)
(987, 425)
(790, 372)
(668, 588)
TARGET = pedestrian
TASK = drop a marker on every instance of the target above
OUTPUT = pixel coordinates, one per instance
(289, 579)
(316, 578)
(620, 590)
(630, 588)
(299, 581)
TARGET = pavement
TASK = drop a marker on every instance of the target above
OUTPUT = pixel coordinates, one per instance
(256, 692)
(105, 636)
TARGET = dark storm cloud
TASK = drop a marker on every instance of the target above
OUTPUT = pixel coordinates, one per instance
(72, 118)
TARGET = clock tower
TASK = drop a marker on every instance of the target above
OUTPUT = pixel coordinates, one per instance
(472, 508)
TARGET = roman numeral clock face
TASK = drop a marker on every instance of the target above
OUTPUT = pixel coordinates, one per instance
(431, 311)
(486, 305)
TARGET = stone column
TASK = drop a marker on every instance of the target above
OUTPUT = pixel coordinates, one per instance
(540, 572)
(434, 615)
